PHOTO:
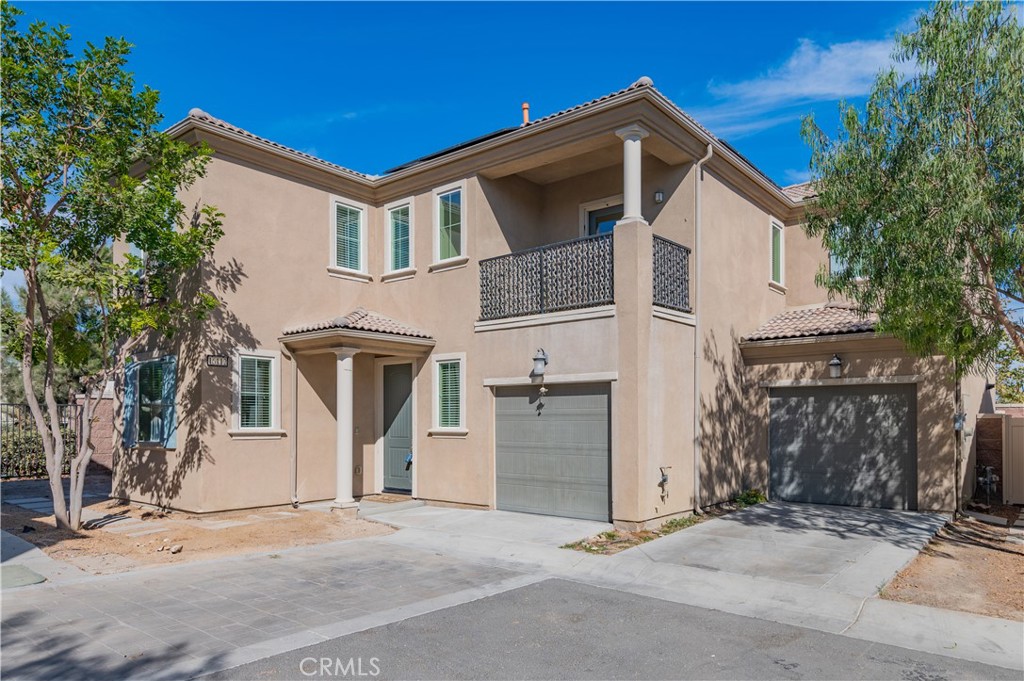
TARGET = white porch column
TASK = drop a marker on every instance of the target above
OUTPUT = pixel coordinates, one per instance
(631, 186)
(343, 491)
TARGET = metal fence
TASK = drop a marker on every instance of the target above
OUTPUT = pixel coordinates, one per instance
(671, 275)
(564, 276)
(21, 448)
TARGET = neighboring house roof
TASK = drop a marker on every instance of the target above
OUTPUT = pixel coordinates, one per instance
(641, 87)
(361, 319)
(824, 320)
(800, 192)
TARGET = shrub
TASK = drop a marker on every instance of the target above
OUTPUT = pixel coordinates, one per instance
(751, 497)
(22, 456)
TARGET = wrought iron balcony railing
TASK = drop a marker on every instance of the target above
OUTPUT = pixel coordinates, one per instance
(671, 275)
(564, 276)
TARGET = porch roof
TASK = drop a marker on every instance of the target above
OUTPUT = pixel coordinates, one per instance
(821, 320)
(358, 327)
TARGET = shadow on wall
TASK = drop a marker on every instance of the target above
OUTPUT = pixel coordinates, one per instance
(204, 395)
(735, 425)
(734, 444)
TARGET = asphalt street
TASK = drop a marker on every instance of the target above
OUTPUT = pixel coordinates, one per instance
(558, 629)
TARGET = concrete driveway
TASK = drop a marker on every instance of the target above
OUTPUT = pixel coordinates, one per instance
(853, 551)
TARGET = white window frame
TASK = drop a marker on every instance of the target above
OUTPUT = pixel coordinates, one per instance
(587, 208)
(274, 430)
(389, 243)
(464, 226)
(773, 223)
(436, 429)
(333, 269)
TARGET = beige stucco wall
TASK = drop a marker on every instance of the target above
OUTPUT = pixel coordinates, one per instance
(270, 270)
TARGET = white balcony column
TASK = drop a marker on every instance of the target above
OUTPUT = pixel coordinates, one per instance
(631, 137)
(343, 491)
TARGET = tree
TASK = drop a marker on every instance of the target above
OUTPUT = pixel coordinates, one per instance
(75, 355)
(1009, 374)
(922, 193)
(84, 167)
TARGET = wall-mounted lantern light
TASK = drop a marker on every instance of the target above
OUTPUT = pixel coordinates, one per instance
(659, 196)
(540, 362)
(835, 367)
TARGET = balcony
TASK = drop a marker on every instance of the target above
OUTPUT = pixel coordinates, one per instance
(671, 275)
(574, 275)
(565, 276)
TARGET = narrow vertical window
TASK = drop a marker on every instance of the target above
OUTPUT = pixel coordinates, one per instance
(399, 219)
(347, 237)
(777, 253)
(449, 206)
(151, 406)
(449, 399)
(256, 396)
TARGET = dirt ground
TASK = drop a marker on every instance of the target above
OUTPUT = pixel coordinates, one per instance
(969, 566)
(102, 551)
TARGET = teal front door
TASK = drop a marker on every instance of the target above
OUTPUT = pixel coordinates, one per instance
(398, 427)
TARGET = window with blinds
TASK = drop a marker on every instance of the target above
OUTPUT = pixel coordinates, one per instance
(256, 394)
(347, 235)
(777, 253)
(449, 398)
(151, 417)
(399, 219)
(449, 206)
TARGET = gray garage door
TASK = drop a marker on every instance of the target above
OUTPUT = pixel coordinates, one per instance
(849, 445)
(553, 453)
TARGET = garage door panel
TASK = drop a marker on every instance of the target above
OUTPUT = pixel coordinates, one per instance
(553, 453)
(844, 445)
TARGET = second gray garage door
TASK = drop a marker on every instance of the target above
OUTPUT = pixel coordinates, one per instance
(845, 445)
(553, 453)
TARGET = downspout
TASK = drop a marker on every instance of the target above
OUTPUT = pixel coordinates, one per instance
(293, 444)
(698, 253)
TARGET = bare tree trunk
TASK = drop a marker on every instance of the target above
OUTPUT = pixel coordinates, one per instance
(53, 449)
(80, 464)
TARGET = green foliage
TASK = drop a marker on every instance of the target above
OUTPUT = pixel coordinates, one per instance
(751, 497)
(21, 453)
(923, 192)
(1009, 374)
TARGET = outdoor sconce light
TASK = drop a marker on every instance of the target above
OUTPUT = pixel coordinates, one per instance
(835, 367)
(540, 362)
(959, 420)
(659, 196)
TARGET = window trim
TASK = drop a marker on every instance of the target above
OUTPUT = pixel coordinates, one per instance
(774, 223)
(448, 431)
(237, 430)
(463, 227)
(332, 264)
(590, 206)
(150, 358)
(410, 269)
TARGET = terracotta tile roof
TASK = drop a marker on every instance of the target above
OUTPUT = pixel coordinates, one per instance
(826, 320)
(800, 192)
(361, 319)
(200, 115)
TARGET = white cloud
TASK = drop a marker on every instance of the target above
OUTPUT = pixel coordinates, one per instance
(812, 73)
(794, 176)
(12, 279)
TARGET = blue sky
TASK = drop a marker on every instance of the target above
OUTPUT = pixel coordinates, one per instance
(370, 86)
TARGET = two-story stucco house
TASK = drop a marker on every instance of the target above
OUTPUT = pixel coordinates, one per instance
(605, 313)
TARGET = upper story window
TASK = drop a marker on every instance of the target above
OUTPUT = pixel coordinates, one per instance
(349, 237)
(450, 228)
(400, 237)
(778, 247)
(149, 401)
